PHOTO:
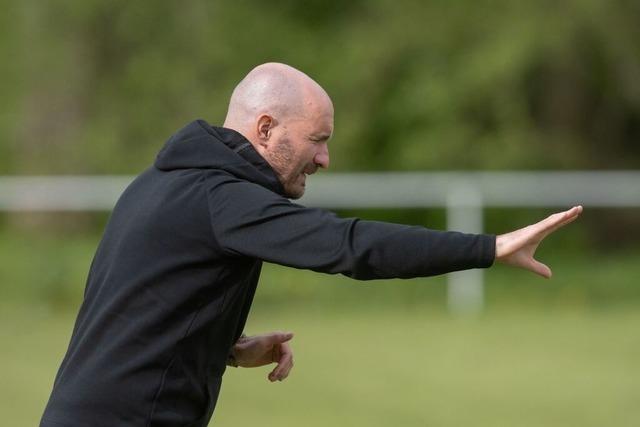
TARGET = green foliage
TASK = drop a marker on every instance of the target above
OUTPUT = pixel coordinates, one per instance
(49, 269)
(95, 87)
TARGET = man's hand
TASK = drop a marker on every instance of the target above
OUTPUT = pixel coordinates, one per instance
(264, 349)
(518, 247)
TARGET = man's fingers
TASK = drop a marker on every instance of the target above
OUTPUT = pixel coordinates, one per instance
(560, 224)
(285, 363)
(541, 269)
(278, 337)
(281, 371)
(560, 219)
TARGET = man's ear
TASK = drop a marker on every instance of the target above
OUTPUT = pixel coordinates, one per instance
(264, 125)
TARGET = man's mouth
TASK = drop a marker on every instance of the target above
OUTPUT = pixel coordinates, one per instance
(306, 173)
(309, 171)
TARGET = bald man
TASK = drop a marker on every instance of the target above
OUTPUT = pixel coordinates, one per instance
(173, 278)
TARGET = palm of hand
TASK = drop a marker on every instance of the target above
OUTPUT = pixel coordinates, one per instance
(519, 247)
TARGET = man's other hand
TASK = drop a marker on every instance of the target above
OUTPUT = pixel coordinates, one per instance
(260, 350)
(519, 247)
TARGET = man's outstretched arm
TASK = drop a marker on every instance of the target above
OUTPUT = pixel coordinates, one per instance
(516, 249)
(519, 247)
(249, 220)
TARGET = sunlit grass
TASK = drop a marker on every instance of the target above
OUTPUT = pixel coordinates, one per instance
(562, 352)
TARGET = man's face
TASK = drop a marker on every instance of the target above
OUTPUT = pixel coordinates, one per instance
(298, 148)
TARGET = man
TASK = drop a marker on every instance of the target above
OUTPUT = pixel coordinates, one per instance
(173, 278)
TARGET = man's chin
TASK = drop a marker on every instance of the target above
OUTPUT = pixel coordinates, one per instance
(294, 192)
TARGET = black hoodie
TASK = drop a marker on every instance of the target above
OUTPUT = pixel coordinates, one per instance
(172, 281)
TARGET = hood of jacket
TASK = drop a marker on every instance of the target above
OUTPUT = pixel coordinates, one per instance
(202, 146)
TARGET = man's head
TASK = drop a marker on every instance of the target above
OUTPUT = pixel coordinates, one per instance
(288, 118)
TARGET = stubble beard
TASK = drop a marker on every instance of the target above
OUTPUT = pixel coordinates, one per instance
(281, 160)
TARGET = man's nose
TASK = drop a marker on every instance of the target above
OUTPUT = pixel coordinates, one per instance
(322, 157)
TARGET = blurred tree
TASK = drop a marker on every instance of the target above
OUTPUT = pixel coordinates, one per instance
(96, 87)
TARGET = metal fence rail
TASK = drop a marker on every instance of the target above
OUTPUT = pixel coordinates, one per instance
(463, 194)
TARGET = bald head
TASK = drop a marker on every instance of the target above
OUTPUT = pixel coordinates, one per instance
(277, 90)
(288, 118)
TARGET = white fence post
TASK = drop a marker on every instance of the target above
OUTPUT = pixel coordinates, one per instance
(465, 289)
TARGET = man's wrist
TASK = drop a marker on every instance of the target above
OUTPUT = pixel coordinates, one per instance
(231, 357)
(231, 360)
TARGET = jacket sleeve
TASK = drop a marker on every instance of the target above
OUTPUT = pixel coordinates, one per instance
(249, 220)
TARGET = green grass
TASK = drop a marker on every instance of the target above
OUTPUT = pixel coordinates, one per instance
(414, 368)
(562, 352)
(381, 366)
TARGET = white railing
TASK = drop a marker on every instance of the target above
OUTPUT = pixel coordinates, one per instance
(463, 194)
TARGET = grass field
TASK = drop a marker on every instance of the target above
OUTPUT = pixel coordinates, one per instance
(414, 368)
(564, 352)
(380, 367)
